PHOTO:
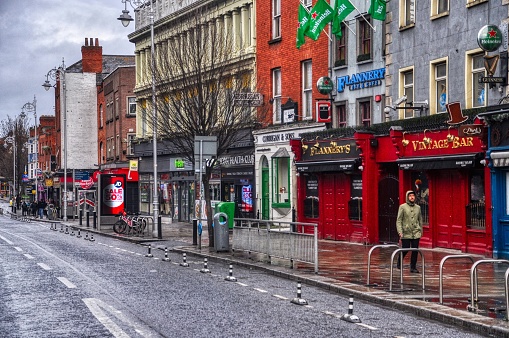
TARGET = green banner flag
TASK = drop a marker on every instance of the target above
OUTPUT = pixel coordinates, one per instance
(303, 25)
(319, 17)
(377, 9)
(342, 8)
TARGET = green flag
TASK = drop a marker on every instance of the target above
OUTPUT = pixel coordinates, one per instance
(303, 25)
(341, 10)
(319, 17)
(377, 9)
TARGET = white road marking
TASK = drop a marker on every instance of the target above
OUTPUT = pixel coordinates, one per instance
(6, 240)
(367, 326)
(44, 266)
(280, 297)
(101, 311)
(66, 282)
(242, 284)
(260, 290)
(28, 256)
(18, 249)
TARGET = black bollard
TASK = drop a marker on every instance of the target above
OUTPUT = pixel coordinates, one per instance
(86, 236)
(205, 267)
(350, 317)
(149, 254)
(79, 234)
(159, 231)
(230, 277)
(184, 261)
(88, 218)
(299, 300)
(81, 216)
(195, 231)
(95, 220)
(166, 258)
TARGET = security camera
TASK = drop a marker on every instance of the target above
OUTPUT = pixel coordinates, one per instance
(400, 100)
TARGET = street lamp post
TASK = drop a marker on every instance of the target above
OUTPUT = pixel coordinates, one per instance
(12, 140)
(32, 107)
(125, 18)
(58, 74)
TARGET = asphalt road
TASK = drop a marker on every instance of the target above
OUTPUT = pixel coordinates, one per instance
(53, 284)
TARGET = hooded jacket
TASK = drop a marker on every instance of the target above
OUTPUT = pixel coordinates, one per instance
(409, 220)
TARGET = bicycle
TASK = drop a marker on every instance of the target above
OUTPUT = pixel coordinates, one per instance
(129, 225)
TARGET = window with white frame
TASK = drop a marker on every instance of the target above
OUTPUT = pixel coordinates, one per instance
(478, 91)
(307, 90)
(276, 19)
(407, 13)
(130, 144)
(276, 95)
(439, 86)
(131, 106)
(407, 84)
(439, 7)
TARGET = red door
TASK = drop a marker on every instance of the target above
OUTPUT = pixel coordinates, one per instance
(336, 225)
(447, 202)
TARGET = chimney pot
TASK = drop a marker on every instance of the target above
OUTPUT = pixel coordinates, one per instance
(97, 42)
(86, 41)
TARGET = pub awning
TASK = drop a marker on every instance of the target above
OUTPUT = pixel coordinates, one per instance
(323, 166)
(439, 162)
(500, 158)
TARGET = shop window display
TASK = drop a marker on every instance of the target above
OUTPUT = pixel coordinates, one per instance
(311, 200)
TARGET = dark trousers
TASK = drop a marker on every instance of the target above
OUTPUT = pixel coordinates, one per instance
(410, 243)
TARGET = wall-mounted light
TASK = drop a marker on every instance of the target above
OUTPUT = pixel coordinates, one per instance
(483, 162)
(361, 167)
(425, 139)
(404, 142)
(304, 146)
(450, 137)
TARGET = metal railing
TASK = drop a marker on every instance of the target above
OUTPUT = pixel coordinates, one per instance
(474, 285)
(441, 274)
(380, 246)
(400, 252)
(286, 240)
(476, 215)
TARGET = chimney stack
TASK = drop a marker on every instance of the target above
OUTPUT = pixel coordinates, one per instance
(92, 56)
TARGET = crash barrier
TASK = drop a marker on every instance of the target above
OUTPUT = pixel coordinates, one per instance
(441, 273)
(474, 286)
(285, 240)
(400, 252)
(380, 246)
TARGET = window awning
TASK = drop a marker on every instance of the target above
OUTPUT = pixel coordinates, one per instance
(500, 158)
(322, 166)
(439, 162)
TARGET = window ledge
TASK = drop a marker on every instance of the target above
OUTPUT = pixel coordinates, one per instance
(438, 16)
(130, 115)
(473, 3)
(404, 28)
(274, 41)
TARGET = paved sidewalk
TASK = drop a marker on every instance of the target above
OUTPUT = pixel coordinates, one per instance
(343, 269)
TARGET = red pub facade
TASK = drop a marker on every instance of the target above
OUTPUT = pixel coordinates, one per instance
(352, 186)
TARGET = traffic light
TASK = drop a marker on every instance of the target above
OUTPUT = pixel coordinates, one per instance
(323, 112)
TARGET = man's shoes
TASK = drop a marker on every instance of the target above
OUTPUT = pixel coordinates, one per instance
(414, 270)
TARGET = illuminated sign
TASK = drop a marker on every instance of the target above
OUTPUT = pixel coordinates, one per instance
(372, 78)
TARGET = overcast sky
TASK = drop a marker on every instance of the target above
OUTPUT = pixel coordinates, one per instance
(36, 34)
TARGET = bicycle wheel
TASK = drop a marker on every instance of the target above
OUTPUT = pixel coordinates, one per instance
(119, 227)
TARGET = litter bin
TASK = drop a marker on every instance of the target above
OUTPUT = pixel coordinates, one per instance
(229, 209)
(221, 232)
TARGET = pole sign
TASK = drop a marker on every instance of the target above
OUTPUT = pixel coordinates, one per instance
(324, 85)
(489, 38)
(113, 194)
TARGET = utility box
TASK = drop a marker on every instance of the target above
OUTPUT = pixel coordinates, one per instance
(221, 232)
(229, 209)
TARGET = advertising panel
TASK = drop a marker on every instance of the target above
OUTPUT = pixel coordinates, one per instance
(113, 198)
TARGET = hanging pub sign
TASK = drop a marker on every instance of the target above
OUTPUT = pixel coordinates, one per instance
(324, 85)
(489, 38)
(289, 111)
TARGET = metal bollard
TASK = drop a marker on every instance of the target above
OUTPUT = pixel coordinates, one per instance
(88, 218)
(350, 317)
(299, 300)
(149, 254)
(166, 258)
(81, 217)
(184, 261)
(195, 231)
(230, 277)
(205, 267)
(159, 229)
(95, 219)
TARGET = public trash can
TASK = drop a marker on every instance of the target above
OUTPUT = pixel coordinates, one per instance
(229, 209)
(221, 232)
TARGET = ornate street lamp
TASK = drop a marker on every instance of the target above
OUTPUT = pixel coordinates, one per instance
(32, 107)
(58, 74)
(125, 18)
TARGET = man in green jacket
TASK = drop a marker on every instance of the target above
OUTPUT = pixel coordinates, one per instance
(409, 226)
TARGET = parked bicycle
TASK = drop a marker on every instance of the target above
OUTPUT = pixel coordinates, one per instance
(130, 224)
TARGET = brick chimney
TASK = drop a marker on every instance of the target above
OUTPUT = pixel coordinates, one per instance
(92, 56)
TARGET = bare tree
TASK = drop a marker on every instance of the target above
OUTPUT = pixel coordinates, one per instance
(203, 72)
(16, 128)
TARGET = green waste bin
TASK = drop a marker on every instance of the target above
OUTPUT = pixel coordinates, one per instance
(229, 209)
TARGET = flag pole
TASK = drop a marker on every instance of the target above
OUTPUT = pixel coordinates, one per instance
(362, 15)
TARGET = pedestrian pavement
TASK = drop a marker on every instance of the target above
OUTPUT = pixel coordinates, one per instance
(343, 269)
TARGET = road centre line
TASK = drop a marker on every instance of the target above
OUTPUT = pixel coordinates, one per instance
(28, 256)
(44, 266)
(18, 249)
(6, 240)
(66, 282)
(280, 297)
(260, 290)
(241, 284)
(368, 326)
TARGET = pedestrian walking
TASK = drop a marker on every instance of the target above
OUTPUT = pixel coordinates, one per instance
(33, 208)
(41, 206)
(24, 208)
(409, 227)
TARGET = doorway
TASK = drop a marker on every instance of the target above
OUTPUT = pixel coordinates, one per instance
(388, 204)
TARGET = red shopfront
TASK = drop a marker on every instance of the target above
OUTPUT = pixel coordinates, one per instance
(329, 187)
(447, 170)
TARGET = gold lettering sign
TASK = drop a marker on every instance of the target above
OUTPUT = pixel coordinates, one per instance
(344, 149)
(457, 142)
